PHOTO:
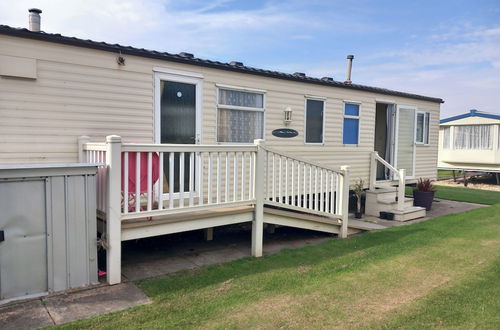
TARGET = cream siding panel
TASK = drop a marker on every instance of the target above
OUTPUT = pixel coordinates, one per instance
(21, 67)
(84, 92)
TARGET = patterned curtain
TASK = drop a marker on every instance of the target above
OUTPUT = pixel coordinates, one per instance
(239, 126)
(446, 137)
(473, 137)
(241, 99)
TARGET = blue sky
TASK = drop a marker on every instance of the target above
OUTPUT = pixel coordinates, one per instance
(447, 49)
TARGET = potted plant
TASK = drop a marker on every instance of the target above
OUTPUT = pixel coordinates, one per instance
(423, 193)
(358, 190)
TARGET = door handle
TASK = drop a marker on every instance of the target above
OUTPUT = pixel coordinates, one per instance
(2, 236)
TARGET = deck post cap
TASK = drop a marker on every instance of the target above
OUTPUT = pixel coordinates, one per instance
(113, 138)
(258, 142)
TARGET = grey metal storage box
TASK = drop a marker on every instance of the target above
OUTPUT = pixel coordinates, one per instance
(48, 236)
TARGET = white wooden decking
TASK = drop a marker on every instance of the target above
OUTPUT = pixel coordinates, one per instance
(204, 186)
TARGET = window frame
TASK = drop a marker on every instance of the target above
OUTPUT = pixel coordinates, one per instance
(218, 106)
(426, 132)
(315, 98)
(358, 117)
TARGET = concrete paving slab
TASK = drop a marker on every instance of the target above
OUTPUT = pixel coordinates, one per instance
(72, 306)
(213, 257)
(171, 254)
(26, 315)
(360, 224)
(440, 207)
(138, 270)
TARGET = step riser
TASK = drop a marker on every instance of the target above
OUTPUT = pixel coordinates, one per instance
(388, 194)
(410, 216)
(373, 206)
(374, 210)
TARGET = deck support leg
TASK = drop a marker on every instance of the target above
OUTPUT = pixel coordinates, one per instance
(465, 178)
(344, 200)
(113, 209)
(497, 175)
(258, 221)
(454, 176)
(209, 234)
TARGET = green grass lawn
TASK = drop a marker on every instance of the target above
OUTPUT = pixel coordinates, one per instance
(441, 273)
(463, 194)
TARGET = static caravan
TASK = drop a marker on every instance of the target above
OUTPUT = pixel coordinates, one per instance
(181, 137)
(470, 141)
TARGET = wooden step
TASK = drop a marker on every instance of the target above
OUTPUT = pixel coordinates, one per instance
(292, 218)
(303, 216)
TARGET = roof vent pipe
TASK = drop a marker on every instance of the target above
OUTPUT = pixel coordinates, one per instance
(349, 69)
(34, 19)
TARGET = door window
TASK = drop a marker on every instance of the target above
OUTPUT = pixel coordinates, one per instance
(406, 140)
(178, 126)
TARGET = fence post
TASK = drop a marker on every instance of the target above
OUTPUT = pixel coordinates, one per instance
(113, 208)
(81, 153)
(258, 222)
(401, 189)
(373, 170)
(344, 200)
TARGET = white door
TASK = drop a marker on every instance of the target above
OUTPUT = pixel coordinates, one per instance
(405, 139)
(177, 119)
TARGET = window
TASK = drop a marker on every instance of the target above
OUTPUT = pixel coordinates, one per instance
(314, 121)
(422, 128)
(498, 143)
(351, 124)
(446, 137)
(240, 116)
(473, 137)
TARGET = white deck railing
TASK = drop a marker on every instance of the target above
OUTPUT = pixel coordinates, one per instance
(302, 185)
(142, 181)
(400, 174)
(165, 178)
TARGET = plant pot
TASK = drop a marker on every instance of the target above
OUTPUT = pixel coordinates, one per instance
(358, 215)
(423, 199)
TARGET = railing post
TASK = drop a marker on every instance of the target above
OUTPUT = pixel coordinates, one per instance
(373, 170)
(81, 153)
(113, 208)
(401, 189)
(344, 200)
(258, 222)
